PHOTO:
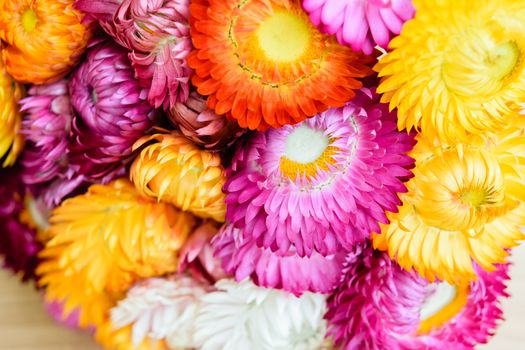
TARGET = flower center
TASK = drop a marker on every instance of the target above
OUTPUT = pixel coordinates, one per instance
(94, 96)
(29, 20)
(473, 198)
(466, 187)
(305, 145)
(502, 60)
(306, 151)
(443, 303)
(284, 37)
(480, 62)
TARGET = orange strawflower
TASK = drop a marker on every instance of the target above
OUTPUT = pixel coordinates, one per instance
(104, 241)
(264, 64)
(171, 168)
(45, 38)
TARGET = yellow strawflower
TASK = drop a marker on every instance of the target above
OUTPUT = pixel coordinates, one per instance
(11, 142)
(172, 169)
(104, 241)
(465, 205)
(457, 68)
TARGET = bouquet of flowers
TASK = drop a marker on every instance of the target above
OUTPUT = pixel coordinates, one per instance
(264, 174)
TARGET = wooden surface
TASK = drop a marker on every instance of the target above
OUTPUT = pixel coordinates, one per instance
(24, 325)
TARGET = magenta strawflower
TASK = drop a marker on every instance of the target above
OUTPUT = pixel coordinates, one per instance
(322, 184)
(382, 306)
(46, 126)
(18, 243)
(242, 258)
(111, 112)
(98, 10)
(362, 24)
(67, 184)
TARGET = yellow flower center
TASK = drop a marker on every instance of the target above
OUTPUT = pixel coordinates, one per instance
(445, 302)
(94, 95)
(465, 187)
(277, 45)
(29, 20)
(284, 37)
(473, 198)
(307, 151)
(481, 62)
(502, 60)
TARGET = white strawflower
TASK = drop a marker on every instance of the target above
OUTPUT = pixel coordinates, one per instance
(161, 308)
(244, 316)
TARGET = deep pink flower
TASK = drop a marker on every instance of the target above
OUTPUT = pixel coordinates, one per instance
(111, 112)
(196, 255)
(382, 306)
(46, 126)
(321, 184)
(100, 10)
(242, 258)
(18, 244)
(362, 24)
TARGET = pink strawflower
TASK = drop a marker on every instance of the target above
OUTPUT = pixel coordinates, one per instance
(322, 184)
(55, 309)
(382, 306)
(46, 126)
(157, 33)
(201, 125)
(196, 255)
(242, 258)
(111, 113)
(18, 243)
(362, 24)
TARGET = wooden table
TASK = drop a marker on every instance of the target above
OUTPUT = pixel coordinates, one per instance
(24, 325)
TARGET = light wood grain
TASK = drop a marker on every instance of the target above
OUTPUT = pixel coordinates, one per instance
(24, 324)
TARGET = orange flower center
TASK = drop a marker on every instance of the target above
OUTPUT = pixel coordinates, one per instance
(445, 302)
(29, 20)
(307, 152)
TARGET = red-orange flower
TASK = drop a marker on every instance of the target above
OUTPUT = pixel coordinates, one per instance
(264, 64)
